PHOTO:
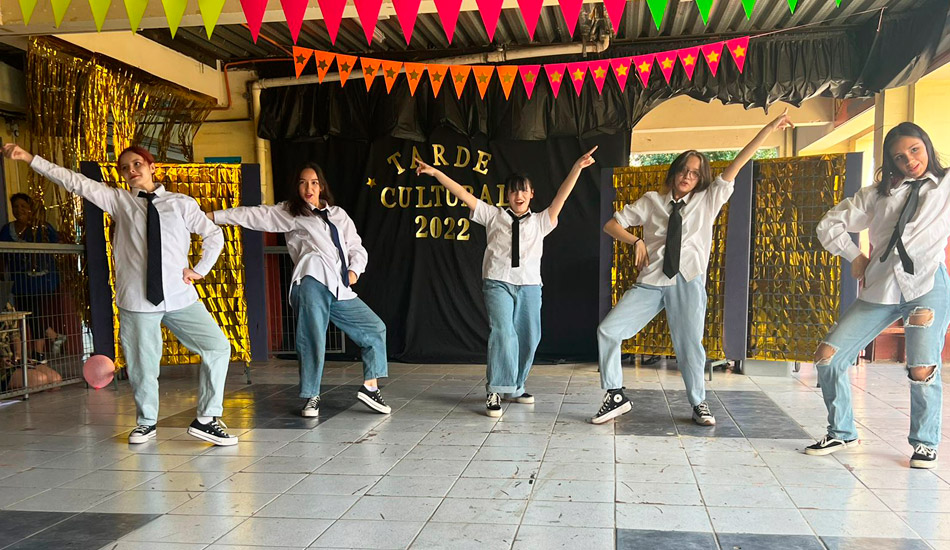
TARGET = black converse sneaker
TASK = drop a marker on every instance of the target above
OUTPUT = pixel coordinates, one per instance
(212, 432)
(828, 445)
(924, 457)
(373, 400)
(525, 399)
(703, 416)
(493, 405)
(615, 404)
(142, 433)
(312, 408)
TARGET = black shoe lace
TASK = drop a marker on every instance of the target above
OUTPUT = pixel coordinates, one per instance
(608, 404)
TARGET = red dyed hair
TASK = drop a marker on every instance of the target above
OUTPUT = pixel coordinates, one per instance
(138, 150)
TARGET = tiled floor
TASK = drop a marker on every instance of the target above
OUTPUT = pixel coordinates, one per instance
(437, 473)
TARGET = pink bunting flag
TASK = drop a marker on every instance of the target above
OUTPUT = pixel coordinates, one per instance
(689, 58)
(406, 12)
(571, 9)
(490, 10)
(666, 60)
(599, 71)
(254, 14)
(713, 55)
(332, 11)
(556, 73)
(368, 12)
(643, 65)
(622, 67)
(529, 77)
(294, 11)
(448, 11)
(530, 12)
(615, 12)
(738, 47)
(577, 71)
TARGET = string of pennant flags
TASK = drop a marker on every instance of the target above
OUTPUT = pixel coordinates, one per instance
(368, 11)
(557, 73)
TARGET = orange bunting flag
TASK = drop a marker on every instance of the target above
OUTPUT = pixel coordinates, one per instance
(301, 56)
(414, 75)
(345, 64)
(738, 48)
(391, 70)
(529, 77)
(459, 77)
(556, 73)
(324, 60)
(370, 70)
(483, 77)
(506, 74)
(643, 65)
(437, 75)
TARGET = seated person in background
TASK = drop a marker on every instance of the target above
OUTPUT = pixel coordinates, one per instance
(11, 368)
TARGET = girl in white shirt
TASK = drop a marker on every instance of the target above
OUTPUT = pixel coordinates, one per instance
(907, 215)
(511, 271)
(328, 258)
(154, 283)
(672, 258)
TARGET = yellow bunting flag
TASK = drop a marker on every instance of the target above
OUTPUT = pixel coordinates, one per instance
(370, 70)
(460, 77)
(345, 64)
(210, 12)
(391, 70)
(99, 10)
(174, 10)
(482, 77)
(506, 74)
(437, 74)
(135, 10)
(324, 60)
(414, 75)
(26, 8)
(59, 10)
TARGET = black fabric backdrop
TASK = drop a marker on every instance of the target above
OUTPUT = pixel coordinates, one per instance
(428, 290)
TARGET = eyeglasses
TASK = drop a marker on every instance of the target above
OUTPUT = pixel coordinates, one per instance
(689, 174)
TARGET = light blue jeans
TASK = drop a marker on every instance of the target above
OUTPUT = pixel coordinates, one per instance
(685, 305)
(923, 344)
(315, 307)
(514, 316)
(141, 337)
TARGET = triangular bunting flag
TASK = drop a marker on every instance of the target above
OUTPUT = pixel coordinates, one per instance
(615, 12)
(657, 10)
(370, 70)
(301, 56)
(576, 72)
(489, 10)
(368, 12)
(482, 75)
(391, 70)
(448, 11)
(621, 66)
(135, 9)
(414, 75)
(506, 75)
(530, 11)
(643, 65)
(792, 4)
(571, 9)
(689, 57)
(101, 7)
(738, 47)
(704, 7)
(555, 72)
(713, 55)
(210, 12)
(59, 10)
(332, 11)
(254, 15)
(344, 65)
(26, 8)
(529, 77)
(324, 60)
(294, 11)
(437, 74)
(747, 5)
(459, 77)
(406, 12)
(666, 60)
(599, 71)
(837, 3)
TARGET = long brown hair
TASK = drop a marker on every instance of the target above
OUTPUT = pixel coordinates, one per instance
(889, 174)
(296, 204)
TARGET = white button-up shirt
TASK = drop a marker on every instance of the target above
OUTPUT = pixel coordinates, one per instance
(532, 229)
(652, 211)
(308, 241)
(925, 237)
(180, 216)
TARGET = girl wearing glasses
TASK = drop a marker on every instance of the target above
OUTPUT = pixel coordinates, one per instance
(672, 259)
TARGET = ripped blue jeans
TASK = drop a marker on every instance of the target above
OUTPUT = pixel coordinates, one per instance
(925, 324)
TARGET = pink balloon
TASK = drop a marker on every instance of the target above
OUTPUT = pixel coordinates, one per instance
(98, 371)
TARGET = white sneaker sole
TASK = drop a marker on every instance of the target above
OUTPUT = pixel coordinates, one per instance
(524, 400)
(830, 450)
(704, 422)
(923, 464)
(139, 439)
(222, 442)
(493, 414)
(622, 409)
(369, 402)
(310, 413)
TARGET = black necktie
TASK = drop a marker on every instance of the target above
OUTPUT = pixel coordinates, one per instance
(335, 236)
(674, 238)
(153, 239)
(515, 238)
(910, 208)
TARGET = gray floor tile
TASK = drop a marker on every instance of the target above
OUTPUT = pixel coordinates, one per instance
(637, 539)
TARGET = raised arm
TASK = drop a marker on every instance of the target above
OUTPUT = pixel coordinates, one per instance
(568, 184)
(95, 192)
(270, 218)
(453, 186)
(746, 153)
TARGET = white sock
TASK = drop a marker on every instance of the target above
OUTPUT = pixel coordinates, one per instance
(370, 388)
(205, 419)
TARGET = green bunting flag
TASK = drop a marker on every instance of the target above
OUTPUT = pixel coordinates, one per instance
(26, 8)
(210, 12)
(748, 5)
(99, 10)
(792, 4)
(704, 7)
(135, 10)
(657, 9)
(59, 10)
(174, 11)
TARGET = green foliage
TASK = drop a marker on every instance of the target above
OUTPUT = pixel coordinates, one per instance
(653, 159)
